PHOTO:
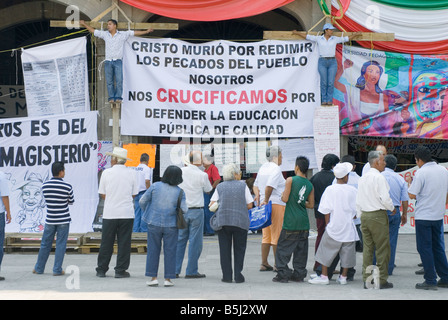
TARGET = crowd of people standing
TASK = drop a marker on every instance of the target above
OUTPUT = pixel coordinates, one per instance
(353, 213)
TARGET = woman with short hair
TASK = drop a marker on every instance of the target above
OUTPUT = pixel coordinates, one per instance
(232, 221)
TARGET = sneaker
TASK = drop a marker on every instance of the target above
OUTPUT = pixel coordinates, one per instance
(152, 283)
(341, 280)
(168, 283)
(319, 280)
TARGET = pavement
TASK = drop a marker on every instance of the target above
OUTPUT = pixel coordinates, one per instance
(80, 281)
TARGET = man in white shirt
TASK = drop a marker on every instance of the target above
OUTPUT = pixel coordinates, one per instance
(113, 66)
(373, 201)
(195, 183)
(118, 186)
(144, 178)
(367, 165)
(269, 186)
(338, 204)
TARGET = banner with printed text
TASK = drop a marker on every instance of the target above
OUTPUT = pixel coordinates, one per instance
(392, 94)
(30, 146)
(56, 78)
(219, 88)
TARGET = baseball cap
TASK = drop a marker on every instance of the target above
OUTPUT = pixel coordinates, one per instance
(328, 26)
(342, 169)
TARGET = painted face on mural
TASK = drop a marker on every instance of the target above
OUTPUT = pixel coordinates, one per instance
(372, 74)
(430, 90)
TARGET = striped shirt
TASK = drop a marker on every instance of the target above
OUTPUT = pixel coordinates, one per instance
(58, 195)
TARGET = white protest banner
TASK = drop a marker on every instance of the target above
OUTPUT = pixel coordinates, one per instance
(219, 88)
(409, 227)
(30, 146)
(56, 79)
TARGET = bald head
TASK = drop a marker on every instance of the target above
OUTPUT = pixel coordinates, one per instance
(382, 149)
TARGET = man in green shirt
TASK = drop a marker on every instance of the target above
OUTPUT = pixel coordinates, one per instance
(298, 195)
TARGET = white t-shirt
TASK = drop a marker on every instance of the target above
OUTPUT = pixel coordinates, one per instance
(339, 201)
(119, 184)
(143, 173)
(270, 175)
(195, 183)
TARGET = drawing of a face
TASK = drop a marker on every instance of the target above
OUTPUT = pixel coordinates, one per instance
(429, 93)
(31, 196)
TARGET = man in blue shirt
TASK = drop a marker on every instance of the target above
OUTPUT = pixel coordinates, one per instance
(430, 188)
(399, 194)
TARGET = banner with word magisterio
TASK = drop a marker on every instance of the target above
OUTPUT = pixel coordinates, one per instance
(30, 146)
(392, 94)
(219, 88)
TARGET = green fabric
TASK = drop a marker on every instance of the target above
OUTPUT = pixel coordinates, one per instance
(296, 215)
(406, 4)
(416, 4)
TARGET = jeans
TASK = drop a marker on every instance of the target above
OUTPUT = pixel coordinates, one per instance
(394, 226)
(2, 234)
(194, 235)
(114, 79)
(327, 70)
(207, 214)
(155, 236)
(430, 246)
(139, 225)
(61, 230)
(228, 236)
(122, 229)
(289, 243)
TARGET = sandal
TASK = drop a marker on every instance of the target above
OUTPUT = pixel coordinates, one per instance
(266, 267)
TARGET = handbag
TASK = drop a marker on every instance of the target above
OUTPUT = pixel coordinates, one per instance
(260, 217)
(181, 223)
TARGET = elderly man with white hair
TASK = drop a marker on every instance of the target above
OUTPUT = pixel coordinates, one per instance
(195, 183)
(232, 219)
(269, 186)
(372, 201)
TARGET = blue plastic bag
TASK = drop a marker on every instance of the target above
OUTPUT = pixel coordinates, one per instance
(260, 217)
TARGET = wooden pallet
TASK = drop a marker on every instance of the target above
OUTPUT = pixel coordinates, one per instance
(79, 242)
(31, 241)
(91, 242)
(94, 248)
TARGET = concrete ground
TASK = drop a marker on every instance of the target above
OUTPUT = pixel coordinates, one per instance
(80, 281)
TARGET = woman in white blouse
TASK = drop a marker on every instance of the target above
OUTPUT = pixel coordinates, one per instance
(327, 64)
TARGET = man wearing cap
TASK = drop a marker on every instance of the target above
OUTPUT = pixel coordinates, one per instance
(372, 202)
(327, 65)
(118, 186)
(338, 204)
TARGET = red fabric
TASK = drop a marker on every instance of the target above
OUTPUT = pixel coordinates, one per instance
(422, 48)
(207, 10)
(213, 173)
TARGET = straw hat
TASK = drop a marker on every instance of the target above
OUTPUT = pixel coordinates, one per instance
(119, 153)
